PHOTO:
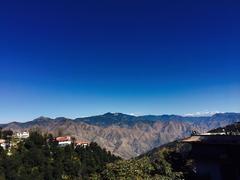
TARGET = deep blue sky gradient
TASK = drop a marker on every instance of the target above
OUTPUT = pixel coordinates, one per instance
(80, 58)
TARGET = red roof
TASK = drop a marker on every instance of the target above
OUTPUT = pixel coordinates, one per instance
(64, 138)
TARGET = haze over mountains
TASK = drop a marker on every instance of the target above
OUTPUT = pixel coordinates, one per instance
(126, 135)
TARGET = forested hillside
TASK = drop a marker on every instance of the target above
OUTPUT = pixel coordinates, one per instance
(39, 158)
(169, 162)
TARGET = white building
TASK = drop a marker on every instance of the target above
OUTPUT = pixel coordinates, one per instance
(81, 143)
(23, 135)
(64, 141)
(3, 143)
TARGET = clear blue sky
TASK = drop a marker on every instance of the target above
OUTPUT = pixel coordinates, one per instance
(79, 58)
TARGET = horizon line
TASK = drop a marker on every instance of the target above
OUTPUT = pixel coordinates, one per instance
(129, 114)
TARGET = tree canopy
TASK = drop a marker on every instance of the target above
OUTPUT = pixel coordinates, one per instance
(39, 158)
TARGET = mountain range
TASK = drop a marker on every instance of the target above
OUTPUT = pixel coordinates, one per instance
(126, 135)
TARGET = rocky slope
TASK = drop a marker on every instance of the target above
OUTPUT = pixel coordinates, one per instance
(127, 136)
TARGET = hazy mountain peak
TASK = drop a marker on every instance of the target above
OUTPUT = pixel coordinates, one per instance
(115, 114)
(61, 118)
(42, 118)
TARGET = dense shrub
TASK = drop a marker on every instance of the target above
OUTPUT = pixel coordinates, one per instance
(40, 158)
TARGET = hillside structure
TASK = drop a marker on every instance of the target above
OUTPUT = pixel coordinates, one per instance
(64, 140)
(22, 135)
(3, 143)
(81, 143)
(216, 157)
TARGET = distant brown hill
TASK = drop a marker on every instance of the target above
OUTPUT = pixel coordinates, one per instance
(125, 135)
